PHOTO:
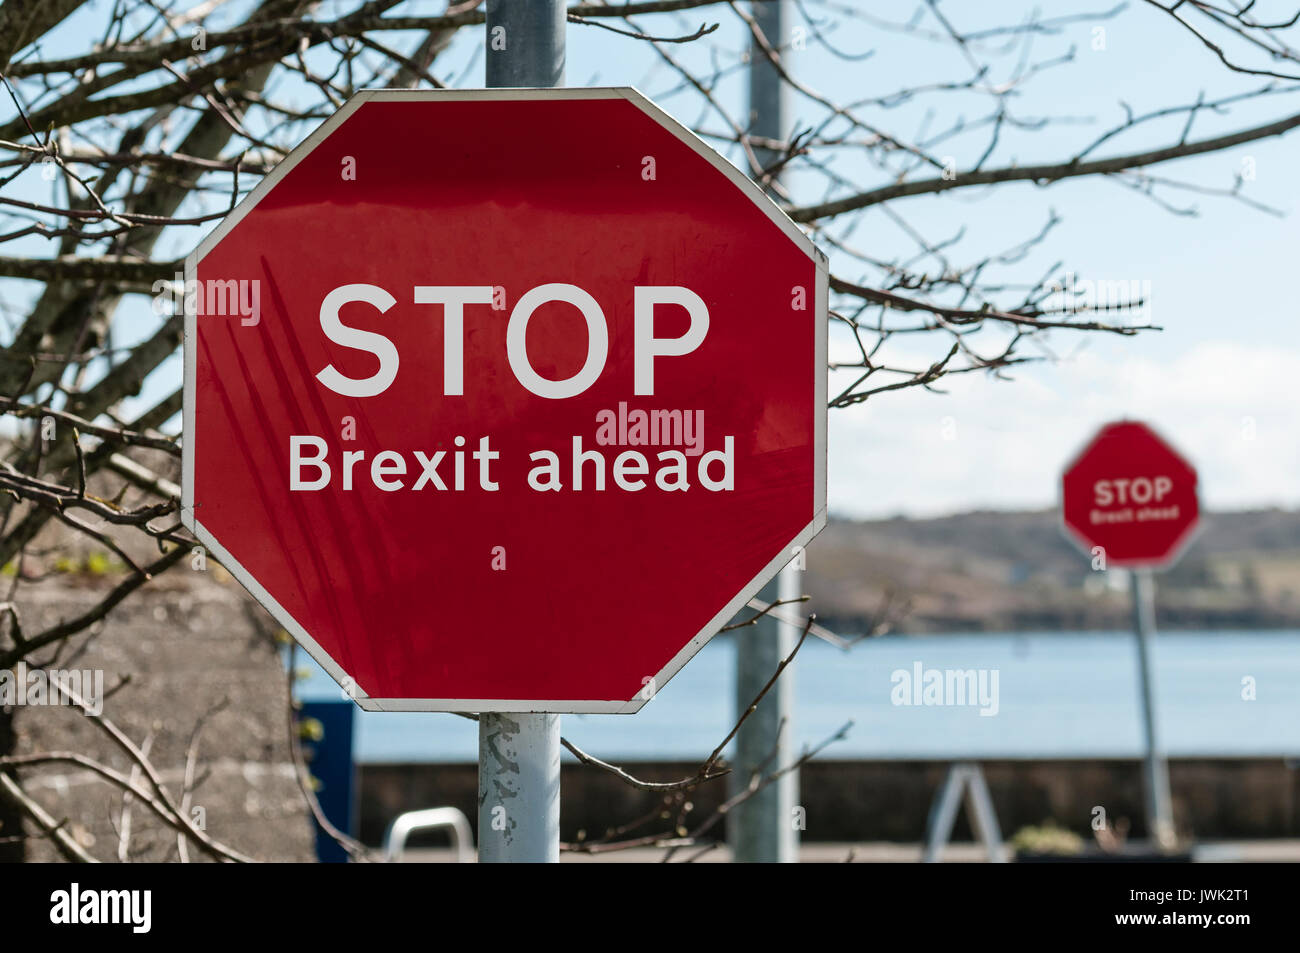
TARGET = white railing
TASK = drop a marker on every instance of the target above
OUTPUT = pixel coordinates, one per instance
(462, 838)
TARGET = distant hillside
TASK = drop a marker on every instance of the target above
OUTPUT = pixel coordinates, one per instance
(1000, 571)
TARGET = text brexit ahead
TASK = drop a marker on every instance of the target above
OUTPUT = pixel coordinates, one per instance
(312, 467)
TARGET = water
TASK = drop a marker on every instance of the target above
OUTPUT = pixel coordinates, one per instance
(1061, 695)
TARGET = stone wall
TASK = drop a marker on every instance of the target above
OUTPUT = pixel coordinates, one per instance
(188, 646)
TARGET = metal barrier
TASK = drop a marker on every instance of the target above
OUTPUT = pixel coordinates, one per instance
(462, 838)
(967, 777)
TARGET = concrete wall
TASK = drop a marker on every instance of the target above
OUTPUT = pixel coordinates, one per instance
(185, 643)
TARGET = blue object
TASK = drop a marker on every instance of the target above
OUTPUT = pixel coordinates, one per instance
(330, 762)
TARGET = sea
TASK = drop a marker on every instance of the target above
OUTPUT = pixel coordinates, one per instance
(1219, 694)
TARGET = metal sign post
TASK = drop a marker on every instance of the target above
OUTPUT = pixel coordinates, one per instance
(1155, 768)
(519, 754)
(762, 829)
(518, 788)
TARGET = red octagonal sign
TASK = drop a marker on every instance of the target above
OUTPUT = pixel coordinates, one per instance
(505, 400)
(1131, 494)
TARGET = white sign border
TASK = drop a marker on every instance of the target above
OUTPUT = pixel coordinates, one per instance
(565, 706)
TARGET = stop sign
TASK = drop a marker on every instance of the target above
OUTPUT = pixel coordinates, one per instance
(1131, 494)
(504, 400)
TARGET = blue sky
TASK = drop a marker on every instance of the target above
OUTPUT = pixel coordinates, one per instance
(1220, 380)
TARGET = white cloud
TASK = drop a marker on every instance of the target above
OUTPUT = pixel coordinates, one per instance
(1232, 409)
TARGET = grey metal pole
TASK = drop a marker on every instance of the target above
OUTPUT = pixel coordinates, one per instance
(525, 42)
(519, 754)
(764, 829)
(518, 788)
(1155, 774)
(766, 88)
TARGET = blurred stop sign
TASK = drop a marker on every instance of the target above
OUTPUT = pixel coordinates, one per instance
(1132, 495)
